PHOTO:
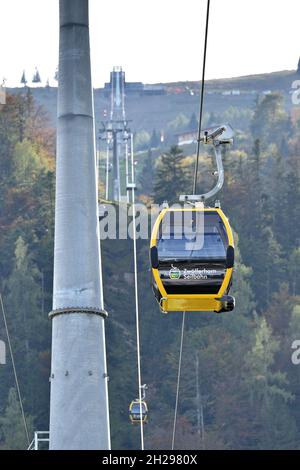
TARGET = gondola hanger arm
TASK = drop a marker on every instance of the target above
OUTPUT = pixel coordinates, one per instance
(222, 135)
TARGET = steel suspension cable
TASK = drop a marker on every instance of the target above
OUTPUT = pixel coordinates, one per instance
(201, 99)
(178, 380)
(137, 321)
(194, 192)
(14, 370)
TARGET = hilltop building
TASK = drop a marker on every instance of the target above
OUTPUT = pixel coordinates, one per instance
(133, 87)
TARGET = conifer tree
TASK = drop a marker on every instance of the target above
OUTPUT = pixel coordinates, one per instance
(36, 77)
(155, 140)
(146, 178)
(23, 78)
(172, 178)
(12, 430)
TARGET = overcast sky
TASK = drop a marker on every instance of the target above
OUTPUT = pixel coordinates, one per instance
(157, 40)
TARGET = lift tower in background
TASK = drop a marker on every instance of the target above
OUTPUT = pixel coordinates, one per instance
(79, 416)
(117, 84)
(117, 118)
(116, 134)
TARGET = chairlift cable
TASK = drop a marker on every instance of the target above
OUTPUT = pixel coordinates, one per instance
(136, 294)
(178, 380)
(201, 99)
(194, 192)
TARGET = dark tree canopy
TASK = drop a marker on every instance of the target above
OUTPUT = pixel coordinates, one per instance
(237, 369)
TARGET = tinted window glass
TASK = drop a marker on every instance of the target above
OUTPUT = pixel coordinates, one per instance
(213, 247)
(136, 408)
(213, 243)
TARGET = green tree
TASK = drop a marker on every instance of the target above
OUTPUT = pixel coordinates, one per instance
(193, 123)
(24, 293)
(294, 274)
(12, 431)
(180, 123)
(154, 140)
(172, 177)
(141, 140)
(28, 163)
(146, 177)
(269, 394)
(270, 120)
(213, 119)
(29, 329)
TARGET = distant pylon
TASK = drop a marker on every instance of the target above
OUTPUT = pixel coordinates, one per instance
(115, 133)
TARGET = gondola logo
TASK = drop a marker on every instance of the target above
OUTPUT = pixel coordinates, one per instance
(174, 273)
(198, 274)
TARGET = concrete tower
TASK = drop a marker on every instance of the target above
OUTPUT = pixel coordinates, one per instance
(79, 416)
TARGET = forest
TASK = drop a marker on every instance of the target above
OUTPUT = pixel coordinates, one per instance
(237, 374)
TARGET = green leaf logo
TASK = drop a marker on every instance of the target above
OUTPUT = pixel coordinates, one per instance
(174, 273)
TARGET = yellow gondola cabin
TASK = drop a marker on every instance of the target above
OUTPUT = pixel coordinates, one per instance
(135, 408)
(192, 259)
